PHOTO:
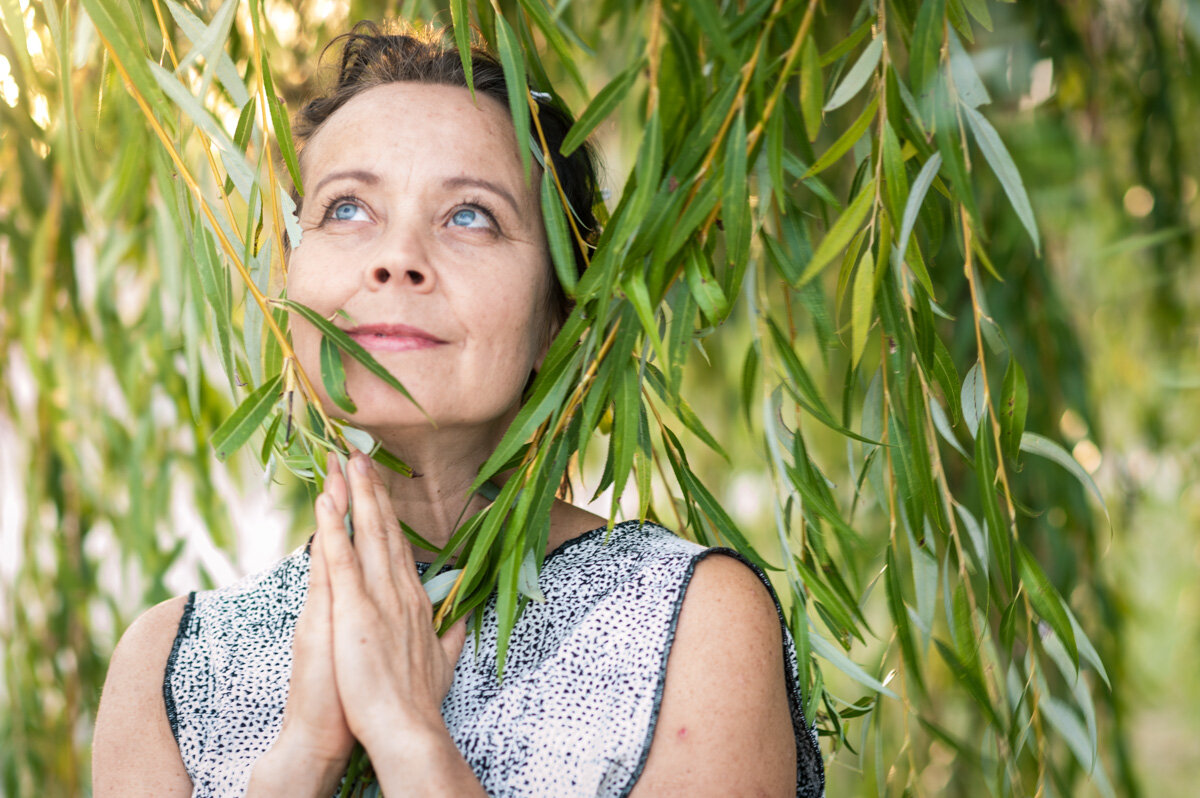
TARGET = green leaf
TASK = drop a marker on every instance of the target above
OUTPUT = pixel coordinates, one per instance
(846, 140)
(190, 105)
(1044, 447)
(840, 233)
(926, 45)
(562, 250)
(714, 27)
(248, 416)
(912, 207)
(970, 89)
(600, 107)
(558, 42)
(997, 156)
(974, 399)
(858, 75)
(349, 346)
(823, 648)
(985, 480)
(735, 206)
(460, 18)
(283, 130)
(860, 306)
(227, 73)
(1045, 599)
(513, 62)
(979, 10)
(899, 612)
(952, 145)
(1013, 408)
(969, 680)
(333, 375)
(704, 287)
(812, 88)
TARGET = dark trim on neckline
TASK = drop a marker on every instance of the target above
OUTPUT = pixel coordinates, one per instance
(169, 694)
(567, 544)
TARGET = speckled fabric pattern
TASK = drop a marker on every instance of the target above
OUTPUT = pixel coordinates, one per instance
(573, 716)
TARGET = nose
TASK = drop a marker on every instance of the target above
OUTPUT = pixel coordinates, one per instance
(402, 261)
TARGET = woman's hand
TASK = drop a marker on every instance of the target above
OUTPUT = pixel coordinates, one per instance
(391, 669)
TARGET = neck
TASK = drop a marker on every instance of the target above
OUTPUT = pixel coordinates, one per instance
(446, 462)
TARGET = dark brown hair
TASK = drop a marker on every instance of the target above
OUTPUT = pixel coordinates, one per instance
(371, 56)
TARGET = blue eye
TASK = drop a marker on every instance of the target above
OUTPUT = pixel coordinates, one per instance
(344, 211)
(469, 217)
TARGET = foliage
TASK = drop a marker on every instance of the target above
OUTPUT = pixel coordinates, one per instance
(807, 277)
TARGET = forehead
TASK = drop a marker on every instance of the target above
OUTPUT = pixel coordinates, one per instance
(407, 124)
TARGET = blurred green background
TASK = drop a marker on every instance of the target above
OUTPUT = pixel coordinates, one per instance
(110, 501)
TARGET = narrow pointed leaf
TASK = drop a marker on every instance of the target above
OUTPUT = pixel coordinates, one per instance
(600, 107)
(247, 418)
(857, 77)
(333, 375)
(997, 156)
(348, 345)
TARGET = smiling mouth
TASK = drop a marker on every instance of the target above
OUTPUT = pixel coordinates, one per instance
(393, 337)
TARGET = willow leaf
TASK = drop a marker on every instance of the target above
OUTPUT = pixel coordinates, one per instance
(846, 140)
(1044, 447)
(549, 27)
(1046, 600)
(227, 73)
(997, 156)
(1013, 408)
(823, 648)
(926, 44)
(561, 247)
(858, 75)
(968, 679)
(513, 62)
(348, 345)
(840, 234)
(333, 375)
(860, 306)
(912, 207)
(715, 28)
(283, 130)
(599, 108)
(970, 89)
(899, 612)
(460, 18)
(248, 416)
(974, 399)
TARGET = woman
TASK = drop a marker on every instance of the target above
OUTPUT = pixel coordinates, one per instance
(652, 668)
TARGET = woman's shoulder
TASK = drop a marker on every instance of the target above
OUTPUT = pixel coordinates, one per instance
(133, 740)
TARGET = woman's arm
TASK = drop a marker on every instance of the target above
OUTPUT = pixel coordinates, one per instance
(724, 727)
(134, 752)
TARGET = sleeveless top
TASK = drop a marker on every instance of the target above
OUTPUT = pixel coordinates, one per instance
(576, 710)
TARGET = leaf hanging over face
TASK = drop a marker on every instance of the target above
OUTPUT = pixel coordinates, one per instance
(250, 414)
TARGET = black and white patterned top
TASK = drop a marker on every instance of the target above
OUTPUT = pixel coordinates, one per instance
(573, 716)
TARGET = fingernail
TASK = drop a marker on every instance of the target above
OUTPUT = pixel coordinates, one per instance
(362, 463)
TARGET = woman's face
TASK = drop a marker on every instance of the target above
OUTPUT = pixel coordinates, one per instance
(420, 227)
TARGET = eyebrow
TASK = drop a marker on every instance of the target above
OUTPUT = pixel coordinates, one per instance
(479, 182)
(361, 175)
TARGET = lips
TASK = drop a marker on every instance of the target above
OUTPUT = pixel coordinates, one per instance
(393, 337)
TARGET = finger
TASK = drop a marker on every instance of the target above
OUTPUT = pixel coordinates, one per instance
(335, 482)
(341, 566)
(314, 624)
(399, 551)
(370, 539)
